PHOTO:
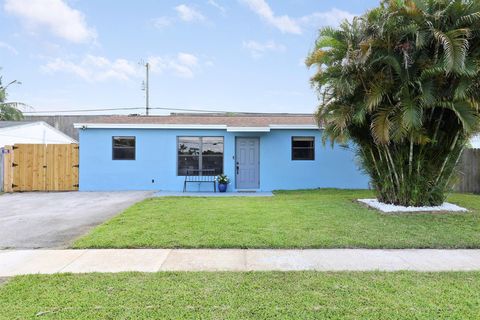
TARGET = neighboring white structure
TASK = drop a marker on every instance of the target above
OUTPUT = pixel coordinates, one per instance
(475, 142)
(15, 132)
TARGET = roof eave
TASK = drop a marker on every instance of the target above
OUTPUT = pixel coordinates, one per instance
(195, 126)
(146, 126)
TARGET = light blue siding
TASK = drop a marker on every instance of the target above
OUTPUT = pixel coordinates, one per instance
(155, 166)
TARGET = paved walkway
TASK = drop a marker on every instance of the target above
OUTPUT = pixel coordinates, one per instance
(17, 262)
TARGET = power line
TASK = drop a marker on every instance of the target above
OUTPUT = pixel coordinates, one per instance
(84, 110)
(192, 110)
(134, 108)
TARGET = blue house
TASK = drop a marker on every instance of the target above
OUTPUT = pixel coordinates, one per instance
(257, 152)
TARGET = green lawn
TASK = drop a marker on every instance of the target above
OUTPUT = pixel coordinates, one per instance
(294, 295)
(301, 219)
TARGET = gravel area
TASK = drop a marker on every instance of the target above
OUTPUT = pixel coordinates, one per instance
(391, 208)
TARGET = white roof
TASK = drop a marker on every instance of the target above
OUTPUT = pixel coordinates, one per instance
(37, 132)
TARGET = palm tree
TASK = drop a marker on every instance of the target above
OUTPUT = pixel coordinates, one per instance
(402, 81)
(8, 110)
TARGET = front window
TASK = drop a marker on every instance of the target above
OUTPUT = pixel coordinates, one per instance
(200, 153)
(123, 148)
(303, 148)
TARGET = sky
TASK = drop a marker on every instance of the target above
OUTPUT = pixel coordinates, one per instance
(237, 55)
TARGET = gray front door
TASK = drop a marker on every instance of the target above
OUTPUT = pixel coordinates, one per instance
(247, 157)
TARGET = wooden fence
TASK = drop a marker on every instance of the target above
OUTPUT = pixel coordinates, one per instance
(469, 167)
(1, 169)
(40, 167)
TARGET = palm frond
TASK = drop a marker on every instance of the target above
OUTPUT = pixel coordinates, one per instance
(466, 114)
(468, 19)
(455, 45)
(381, 126)
(10, 112)
(412, 114)
(428, 95)
(374, 97)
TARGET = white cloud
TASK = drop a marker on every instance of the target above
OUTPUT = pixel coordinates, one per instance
(329, 18)
(187, 59)
(184, 12)
(215, 4)
(5, 45)
(95, 68)
(55, 15)
(283, 23)
(188, 13)
(258, 49)
(291, 25)
(162, 22)
(183, 65)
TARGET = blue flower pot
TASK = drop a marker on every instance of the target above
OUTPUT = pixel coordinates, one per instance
(222, 187)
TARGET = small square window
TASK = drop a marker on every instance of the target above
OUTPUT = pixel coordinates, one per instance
(123, 148)
(303, 148)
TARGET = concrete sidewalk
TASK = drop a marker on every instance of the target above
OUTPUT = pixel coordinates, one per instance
(18, 262)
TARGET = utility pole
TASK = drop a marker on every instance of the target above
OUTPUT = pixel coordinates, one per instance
(147, 102)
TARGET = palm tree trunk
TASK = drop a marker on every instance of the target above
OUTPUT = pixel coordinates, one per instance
(438, 125)
(410, 157)
(454, 143)
(456, 163)
(375, 163)
(389, 156)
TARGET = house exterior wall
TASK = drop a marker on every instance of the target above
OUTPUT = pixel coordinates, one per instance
(155, 165)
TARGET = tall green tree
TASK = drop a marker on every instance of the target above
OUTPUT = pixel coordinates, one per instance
(8, 110)
(402, 81)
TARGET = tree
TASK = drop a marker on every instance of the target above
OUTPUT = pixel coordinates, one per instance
(402, 82)
(8, 110)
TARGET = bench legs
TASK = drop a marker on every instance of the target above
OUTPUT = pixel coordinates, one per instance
(185, 185)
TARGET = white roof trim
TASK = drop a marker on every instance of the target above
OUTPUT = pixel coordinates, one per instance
(248, 129)
(193, 126)
(294, 126)
(147, 126)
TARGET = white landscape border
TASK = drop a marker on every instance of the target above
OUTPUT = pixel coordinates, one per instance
(391, 208)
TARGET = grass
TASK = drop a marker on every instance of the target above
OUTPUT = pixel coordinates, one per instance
(268, 295)
(301, 219)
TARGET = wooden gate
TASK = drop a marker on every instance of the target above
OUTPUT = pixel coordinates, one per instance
(40, 167)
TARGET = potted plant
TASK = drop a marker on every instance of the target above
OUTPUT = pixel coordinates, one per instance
(223, 182)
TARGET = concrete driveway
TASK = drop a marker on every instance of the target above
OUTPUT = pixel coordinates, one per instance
(54, 220)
